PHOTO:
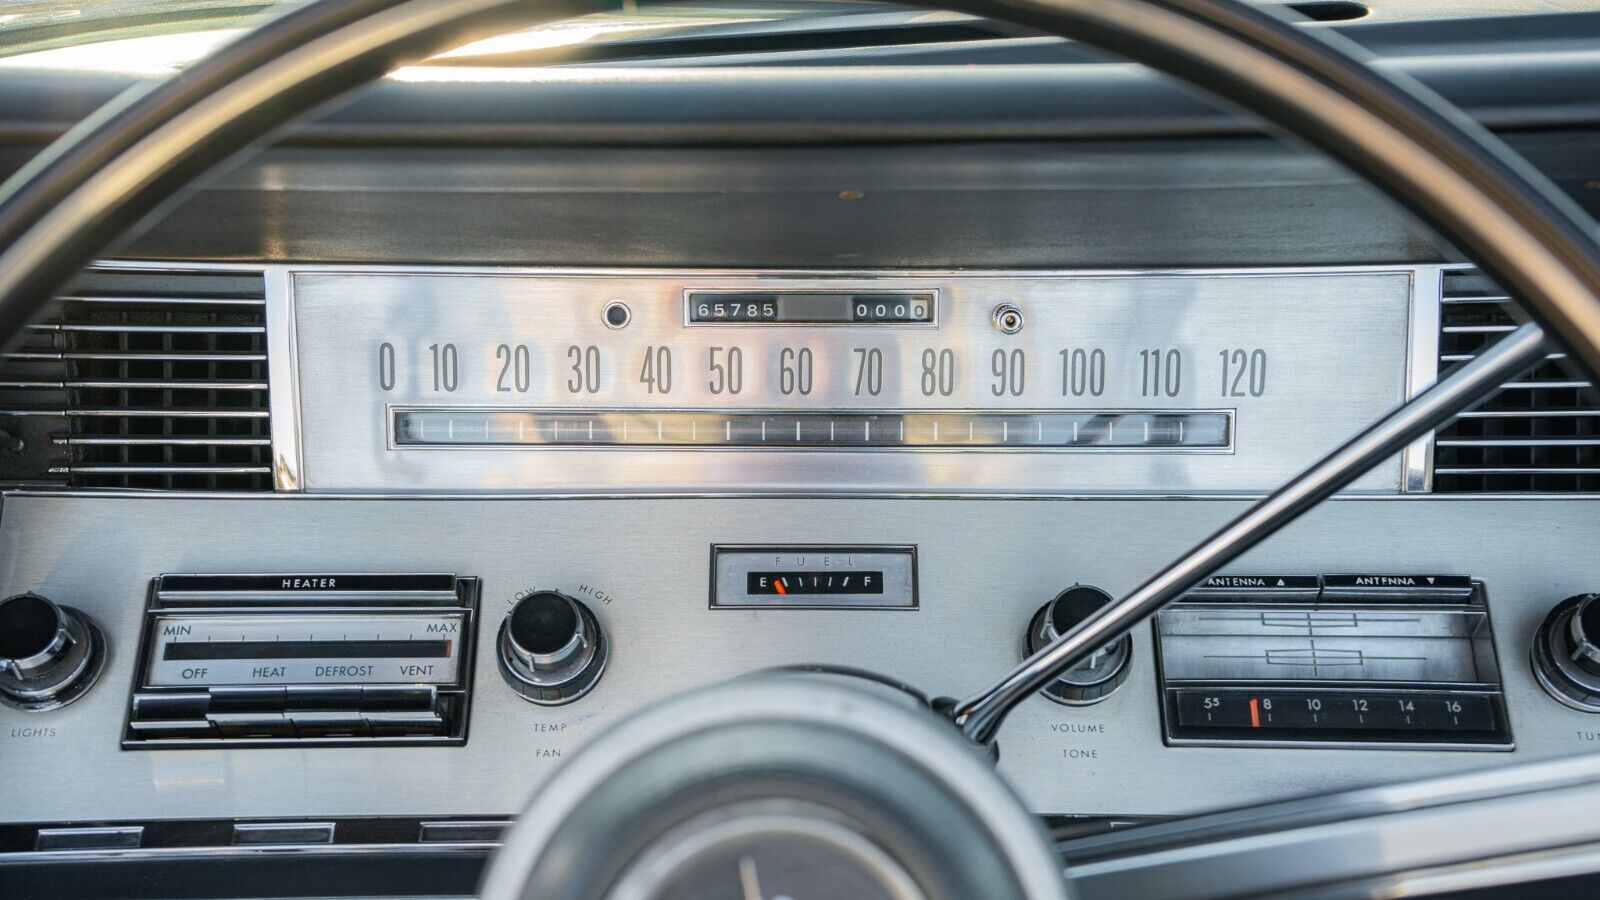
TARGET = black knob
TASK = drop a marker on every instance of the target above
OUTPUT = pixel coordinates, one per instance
(551, 648)
(49, 655)
(1095, 678)
(1566, 652)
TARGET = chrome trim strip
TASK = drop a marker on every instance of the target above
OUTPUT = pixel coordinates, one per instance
(1396, 268)
(1422, 370)
(1520, 442)
(1521, 869)
(1520, 470)
(162, 301)
(1320, 843)
(147, 329)
(1219, 496)
(1479, 329)
(1463, 357)
(283, 392)
(243, 850)
(1544, 385)
(138, 385)
(210, 412)
(157, 470)
(1527, 413)
(78, 440)
(146, 357)
(461, 831)
(279, 834)
(103, 837)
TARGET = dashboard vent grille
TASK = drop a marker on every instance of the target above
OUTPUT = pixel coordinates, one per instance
(142, 380)
(1541, 433)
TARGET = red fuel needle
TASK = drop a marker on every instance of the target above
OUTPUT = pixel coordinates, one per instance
(1255, 713)
(781, 589)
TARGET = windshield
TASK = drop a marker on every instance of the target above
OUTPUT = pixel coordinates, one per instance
(161, 35)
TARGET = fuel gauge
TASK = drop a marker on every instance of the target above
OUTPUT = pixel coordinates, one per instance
(802, 583)
(860, 577)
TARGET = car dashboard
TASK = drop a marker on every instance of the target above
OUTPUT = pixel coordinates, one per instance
(299, 472)
(734, 471)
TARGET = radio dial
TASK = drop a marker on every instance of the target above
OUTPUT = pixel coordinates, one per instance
(49, 655)
(1096, 677)
(551, 649)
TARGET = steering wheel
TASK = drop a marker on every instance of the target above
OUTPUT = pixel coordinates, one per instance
(834, 781)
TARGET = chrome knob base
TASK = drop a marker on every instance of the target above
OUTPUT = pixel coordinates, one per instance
(551, 649)
(1103, 671)
(50, 655)
(1566, 653)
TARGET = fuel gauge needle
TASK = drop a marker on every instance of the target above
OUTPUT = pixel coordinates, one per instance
(782, 591)
(748, 879)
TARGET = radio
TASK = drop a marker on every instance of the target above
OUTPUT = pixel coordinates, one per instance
(264, 660)
(1348, 660)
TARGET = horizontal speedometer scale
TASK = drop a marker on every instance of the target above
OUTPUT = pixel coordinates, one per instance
(1209, 430)
(616, 382)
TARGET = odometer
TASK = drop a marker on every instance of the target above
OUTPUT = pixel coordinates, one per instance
(811, 307)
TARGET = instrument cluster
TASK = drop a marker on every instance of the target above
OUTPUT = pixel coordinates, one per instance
(716, 382)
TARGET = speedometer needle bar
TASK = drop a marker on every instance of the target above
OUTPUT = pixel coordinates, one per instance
(980, 715)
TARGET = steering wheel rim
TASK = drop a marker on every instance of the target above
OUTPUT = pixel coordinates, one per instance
(796, 733)
(131, 160)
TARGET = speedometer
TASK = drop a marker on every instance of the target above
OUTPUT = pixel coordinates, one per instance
(842, 382)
